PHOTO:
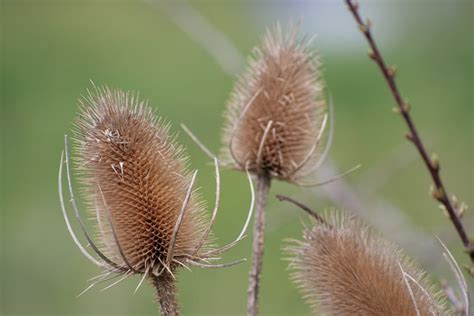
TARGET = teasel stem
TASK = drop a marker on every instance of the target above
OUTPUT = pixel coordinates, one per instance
(312, 213)
(263, 188)
(166, 294)
(432, 164)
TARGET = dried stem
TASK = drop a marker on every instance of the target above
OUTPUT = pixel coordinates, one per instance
(305, 208)
(263, 187)
(440, 193)
(166, 294)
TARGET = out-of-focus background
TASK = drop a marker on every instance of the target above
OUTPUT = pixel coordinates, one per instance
(52, 48)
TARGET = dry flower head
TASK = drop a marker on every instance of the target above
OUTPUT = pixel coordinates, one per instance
(276, 117)
(345, 268)
(138, 187)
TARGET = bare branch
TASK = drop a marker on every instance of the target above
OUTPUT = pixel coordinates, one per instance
(303, 207)
(440, 192)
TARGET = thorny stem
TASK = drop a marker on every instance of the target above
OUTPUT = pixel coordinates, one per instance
(166, 294)
(263, 187)
(440, 194)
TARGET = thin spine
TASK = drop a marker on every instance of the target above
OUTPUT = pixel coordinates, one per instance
(232, 134)
(114, 233)
(313, 148)
(252, 192)
(244, 228)
(330, 180)
(454, 266)
(179, 221)
(410, 290)
(262, 143)
(216, 207)
(218, 265)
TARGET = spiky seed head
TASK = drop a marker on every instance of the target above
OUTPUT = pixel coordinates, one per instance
(277, 109)
(135, 177)
(345, 268)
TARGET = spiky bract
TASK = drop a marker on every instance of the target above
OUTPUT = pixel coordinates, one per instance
(345, 268)
(135, 178)
(276, 111)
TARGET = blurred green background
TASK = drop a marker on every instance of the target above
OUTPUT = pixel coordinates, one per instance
(52, 48)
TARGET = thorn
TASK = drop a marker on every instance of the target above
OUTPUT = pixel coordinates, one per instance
(409, 136)
(435, 163)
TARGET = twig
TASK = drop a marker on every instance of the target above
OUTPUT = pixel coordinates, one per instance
(315, 215)
(263, 187)
(433, 166)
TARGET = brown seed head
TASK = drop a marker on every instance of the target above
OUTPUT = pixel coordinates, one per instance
(277, 112)
(345, 268)
(135, 178)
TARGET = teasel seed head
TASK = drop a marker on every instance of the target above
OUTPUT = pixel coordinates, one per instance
(138, 186)
(345, 268)
(276, 117)
(135, 173)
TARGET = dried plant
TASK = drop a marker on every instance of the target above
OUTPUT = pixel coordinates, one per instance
(344, 194)
(343, 267)
(274, 125)
(137, 185)
(277, 113)
(451, 206)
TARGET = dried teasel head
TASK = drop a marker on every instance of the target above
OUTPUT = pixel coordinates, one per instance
(345, 268)
(277, 113)
(138, 187)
